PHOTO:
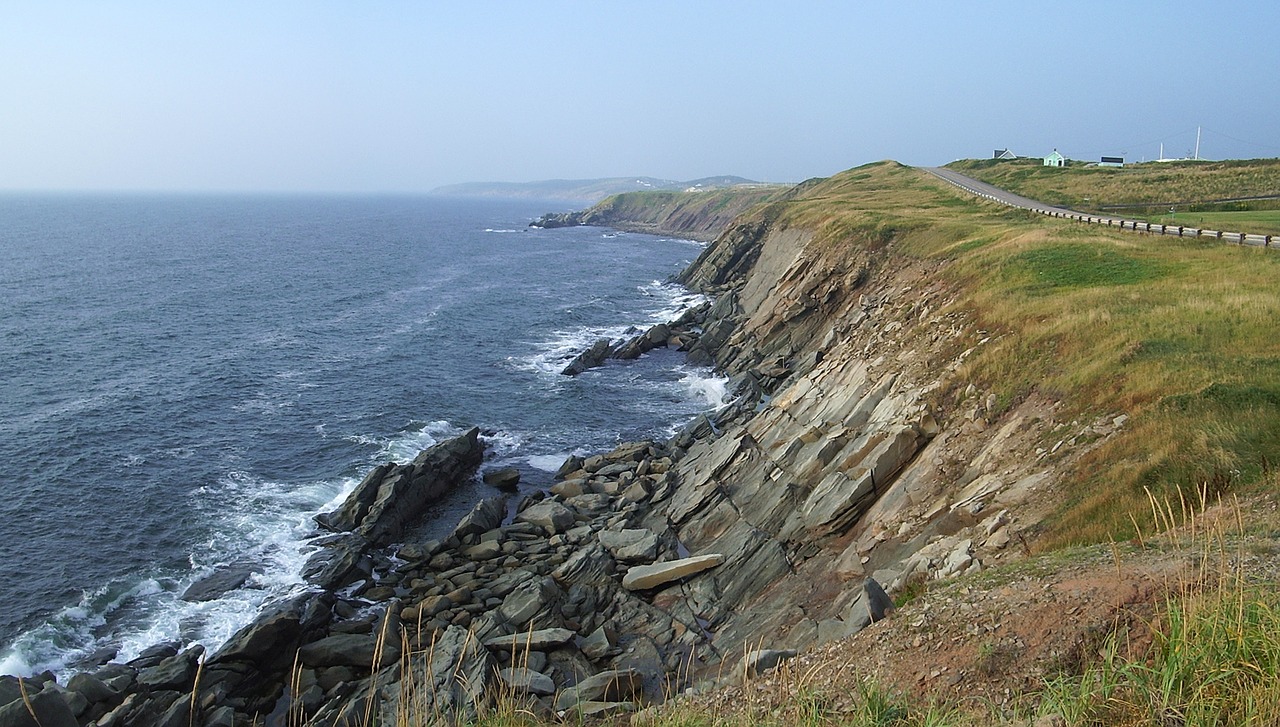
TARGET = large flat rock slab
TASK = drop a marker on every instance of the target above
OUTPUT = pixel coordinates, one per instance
(644, 577)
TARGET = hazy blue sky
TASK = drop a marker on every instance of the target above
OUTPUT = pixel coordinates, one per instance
(405, 96)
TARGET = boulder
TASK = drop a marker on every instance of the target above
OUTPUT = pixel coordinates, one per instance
(393, 496)
(528, 600)
(550, 515)
(175, 672)
(527, 681)
(485, 516)
(615, 685)
(339, 563)
(590, 358)
(46, 708)
(644, 577)
(272, 635)
(503, 478)
(630, 545)
(357, 650)
(539, 640)
(879, 604)
(762, 660)
(92, 688)
(216, 584)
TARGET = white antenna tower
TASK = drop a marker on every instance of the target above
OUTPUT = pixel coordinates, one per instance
(1197, 143)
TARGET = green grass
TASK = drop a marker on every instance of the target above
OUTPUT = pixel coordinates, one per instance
(1079, 265)
(1090, 188)
(1254, 222)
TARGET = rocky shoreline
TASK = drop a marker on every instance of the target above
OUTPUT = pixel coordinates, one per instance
(854, 462)
(567, 598)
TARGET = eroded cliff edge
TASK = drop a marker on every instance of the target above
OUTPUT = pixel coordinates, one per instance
(855, 458)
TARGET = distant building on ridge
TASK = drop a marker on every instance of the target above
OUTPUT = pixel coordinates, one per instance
(1055, 160)
(1004, 154)
(1111, 162)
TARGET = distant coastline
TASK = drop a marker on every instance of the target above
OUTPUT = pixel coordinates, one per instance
(584, 192)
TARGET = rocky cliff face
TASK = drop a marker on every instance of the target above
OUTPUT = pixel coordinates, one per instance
(854, 460)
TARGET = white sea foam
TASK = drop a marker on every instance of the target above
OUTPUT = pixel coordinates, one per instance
(704, 385)
(552, 355)
(672, 300)
(500, 232)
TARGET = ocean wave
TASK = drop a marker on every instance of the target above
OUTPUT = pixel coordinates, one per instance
(705, 385)
(673, 300)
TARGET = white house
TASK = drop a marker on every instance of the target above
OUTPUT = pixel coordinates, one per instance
(1004, 154)
(1055, 160)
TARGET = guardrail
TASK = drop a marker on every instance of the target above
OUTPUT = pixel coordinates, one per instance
(1239, 238)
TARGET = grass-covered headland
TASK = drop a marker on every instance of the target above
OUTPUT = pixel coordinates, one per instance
(1175, 337)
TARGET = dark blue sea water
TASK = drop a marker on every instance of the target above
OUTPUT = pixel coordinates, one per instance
(185, 381)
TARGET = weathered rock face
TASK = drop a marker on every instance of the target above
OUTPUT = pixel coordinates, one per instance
(392, 495)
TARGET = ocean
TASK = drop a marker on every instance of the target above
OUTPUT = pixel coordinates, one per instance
(186, 380)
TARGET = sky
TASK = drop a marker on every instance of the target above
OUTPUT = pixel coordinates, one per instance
(385, 96)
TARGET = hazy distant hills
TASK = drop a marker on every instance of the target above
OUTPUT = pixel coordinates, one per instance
(585, 191)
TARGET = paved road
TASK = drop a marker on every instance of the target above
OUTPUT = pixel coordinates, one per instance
(982, 189)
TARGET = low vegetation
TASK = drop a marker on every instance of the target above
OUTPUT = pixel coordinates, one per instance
(1151, 186)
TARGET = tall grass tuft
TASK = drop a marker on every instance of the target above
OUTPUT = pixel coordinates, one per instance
(1216, 650)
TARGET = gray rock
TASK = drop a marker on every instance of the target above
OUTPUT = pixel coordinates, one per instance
(879, 604)
(221, 717)
(615, 685)
(550, 515)
(218, 583)
(92, 688)
(762, 660)
(589, 566)
(355, 650)
(504, 478)
(393, 496)
(590, 358)
(597, 645)
(572, 464)
(630, 546)
(527, 681)
(47, 708)
(453, 677)
(176, 672)
(528, 600)
(486, 515)
(272, 634)
(644, 577)
(539, 640)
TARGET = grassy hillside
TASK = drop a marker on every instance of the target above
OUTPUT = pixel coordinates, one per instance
(1176, 335)
(1190, 185)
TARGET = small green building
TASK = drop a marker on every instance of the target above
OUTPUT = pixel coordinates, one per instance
(1055, 160)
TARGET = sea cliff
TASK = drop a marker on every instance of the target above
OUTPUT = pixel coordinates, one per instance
(854, 461)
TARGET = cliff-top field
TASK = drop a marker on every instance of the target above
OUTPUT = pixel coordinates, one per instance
(1190, 184)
